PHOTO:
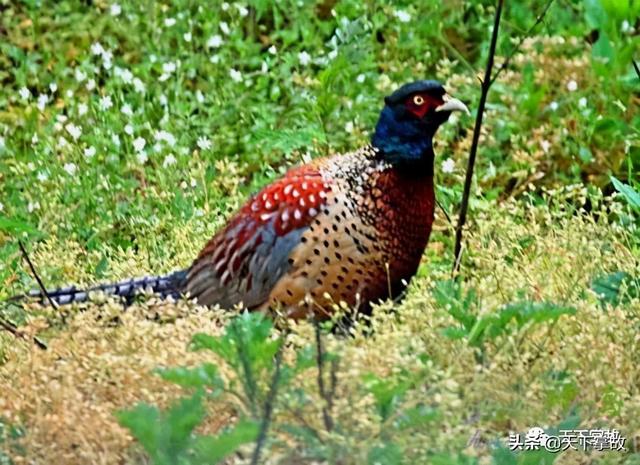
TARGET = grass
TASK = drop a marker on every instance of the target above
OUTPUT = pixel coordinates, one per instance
(225, 99)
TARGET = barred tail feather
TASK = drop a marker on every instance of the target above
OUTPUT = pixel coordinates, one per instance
(165, 286)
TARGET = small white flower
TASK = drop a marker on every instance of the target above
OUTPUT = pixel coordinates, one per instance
(42, 176)
(142, 157)
(402, 16)
(332, 54)
(264, 68)
(572, 86)
(553, 106)
(126, 110)
(128, 129)
(187, 36)
(126, 76)
(215, 59)
(42, 101)
(2, 143)
(107, 58)
(33, 206)
(224, 27)
(199, 96)
(115, 9)
(545, 145)
(235, 75)
(68, 93)
(163, 100)
(115, 138)
(273, 50)
(360, 79)
(24, 93)
(157, 147)
(62, 142)
(70, 168)
(304, 58)
(582, 103)
(79, 75)
(204, 143)
(138, 144)
(448, 166)
(90, 151)
(169, 22)
(91, 84)
(166, 137)
(169, 160)
(34, 139)
(96, 48)
(106, 102)
(1, 207)
(138, 85)
(53, 87)
(74, 131)
(224, 6)
(242, 10)
(348, 127)
(625, 26)
(153, 58)
(82, 109)
(214, 41)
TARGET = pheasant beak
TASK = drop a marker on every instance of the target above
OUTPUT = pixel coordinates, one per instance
(452, 104)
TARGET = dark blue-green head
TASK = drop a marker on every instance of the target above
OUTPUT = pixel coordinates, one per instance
(409, 120)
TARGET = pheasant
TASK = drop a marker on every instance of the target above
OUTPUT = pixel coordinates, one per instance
(349, 227)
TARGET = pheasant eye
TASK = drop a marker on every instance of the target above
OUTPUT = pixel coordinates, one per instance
(418, 100)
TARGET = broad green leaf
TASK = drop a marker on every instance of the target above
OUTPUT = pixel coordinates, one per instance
(211, 450)
(629, 193)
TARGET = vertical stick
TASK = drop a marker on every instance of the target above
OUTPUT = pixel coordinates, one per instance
(486, 84)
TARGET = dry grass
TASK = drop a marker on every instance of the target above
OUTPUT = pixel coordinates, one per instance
(100, 359)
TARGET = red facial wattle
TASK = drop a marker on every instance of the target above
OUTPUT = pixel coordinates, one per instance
(421, 104)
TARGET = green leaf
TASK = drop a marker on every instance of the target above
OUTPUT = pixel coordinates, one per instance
(13, 226)
(608, 287)
(203, 376)
(629, 193)
(209, 449)
(387, 454)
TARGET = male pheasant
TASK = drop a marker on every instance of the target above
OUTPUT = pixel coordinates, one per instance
(349, 227)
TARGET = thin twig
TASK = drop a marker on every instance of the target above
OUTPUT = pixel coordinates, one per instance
(35, 274)
(13, 329)
(515, 49)
(486, 84)
(327, 397)
(269, 404)
(635, 65)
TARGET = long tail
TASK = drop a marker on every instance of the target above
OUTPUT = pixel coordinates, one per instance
(165, 286)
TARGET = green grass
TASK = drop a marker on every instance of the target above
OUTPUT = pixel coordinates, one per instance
(228, 96)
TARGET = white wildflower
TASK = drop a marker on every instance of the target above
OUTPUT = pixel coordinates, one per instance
(582, 103)
(304, 58)
(348, 127)
(360, 79)
(128, 129)
(2, 143)
(199, 96)
(1, 207)
(545, 145)
(264, 68)
(90, 151)
(215, 59)
(115, 139)
(169, 160)
(142, 157)
(214, 41)
(138, 144)
(68, 93)
(224, 27)
(107, 57)
(163, 100)
(42, 176)
(572, 86)
(34, 139)
(235, 75)
(82, 109)
(157, 147)
(62, 142)
(553, 106)
(74, 131)
(448, 166)
(169, 22)
(115, 9)
(402, 16)
(106, 102)
(138, 85)
(332, 54)
(242, 10)
(625, 26)
(125, 74)
(70, 168)
(24, 93)
(126, 110)
(204, 143)
(224, 6)
(42, 101)
(96, 48)
(53, 87)
(33, 206)
(79, 75)
(272, 50)
(91, 84)
(187, 36)
(166, 137)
